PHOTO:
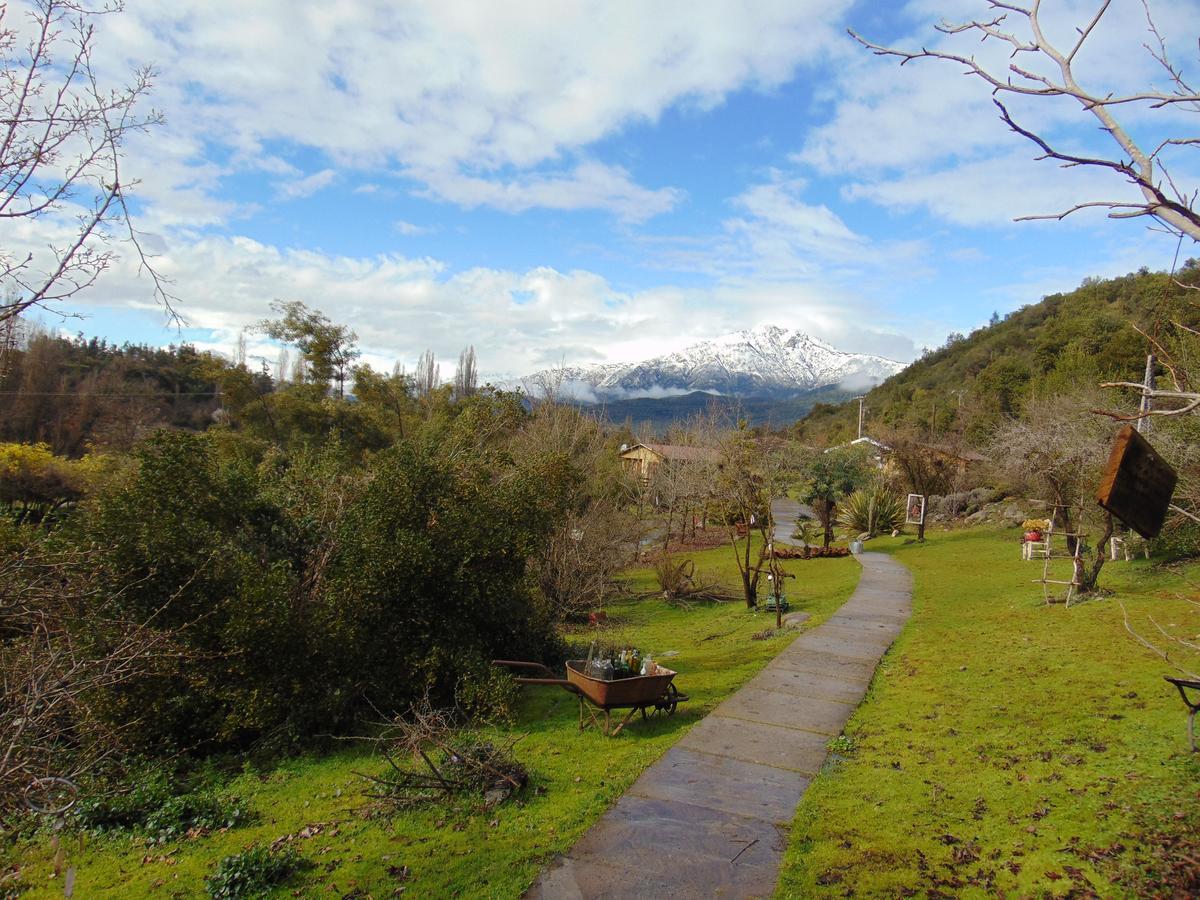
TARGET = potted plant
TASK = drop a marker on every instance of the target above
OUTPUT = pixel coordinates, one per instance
(1034, 529)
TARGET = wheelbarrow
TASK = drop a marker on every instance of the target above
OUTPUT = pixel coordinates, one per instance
(647, 694)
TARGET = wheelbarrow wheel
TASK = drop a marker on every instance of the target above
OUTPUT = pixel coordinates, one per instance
(669, 701)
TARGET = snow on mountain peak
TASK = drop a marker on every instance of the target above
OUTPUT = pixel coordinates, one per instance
(768, 360)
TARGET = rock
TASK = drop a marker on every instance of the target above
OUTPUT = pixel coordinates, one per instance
(1013, 514)
(795, 620)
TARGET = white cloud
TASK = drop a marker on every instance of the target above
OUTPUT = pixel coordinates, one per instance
(459, 93)
(784, 233)
(408, 229)
(590, 185)
(306, 186)
(517, 320)
(994, 191)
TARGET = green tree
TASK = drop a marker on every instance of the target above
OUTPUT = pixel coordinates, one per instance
(827, 478)
(387, 395)
(328, 349)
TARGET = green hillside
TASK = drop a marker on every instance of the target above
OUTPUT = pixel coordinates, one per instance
(1066, 341)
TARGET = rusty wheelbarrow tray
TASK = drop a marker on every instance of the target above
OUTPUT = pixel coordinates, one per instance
(639, 693)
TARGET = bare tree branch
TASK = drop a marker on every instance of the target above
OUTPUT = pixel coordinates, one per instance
(1192, 402)
(1145, 171)
(61, 137)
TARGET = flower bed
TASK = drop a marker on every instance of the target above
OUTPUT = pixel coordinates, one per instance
(811, 552)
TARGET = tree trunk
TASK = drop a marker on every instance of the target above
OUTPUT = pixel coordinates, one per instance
(1089, 577)
(827, 521)
(1063, 512)
(750, 586)
(921, 531)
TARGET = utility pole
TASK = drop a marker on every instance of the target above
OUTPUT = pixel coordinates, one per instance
(860, 415)
(1143, 424)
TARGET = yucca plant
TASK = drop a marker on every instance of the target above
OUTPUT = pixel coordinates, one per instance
(871, 510)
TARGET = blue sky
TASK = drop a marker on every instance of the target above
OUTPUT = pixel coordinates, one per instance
(601, 181)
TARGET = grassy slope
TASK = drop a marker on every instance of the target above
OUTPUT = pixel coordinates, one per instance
(1005, 742)
(465, 851)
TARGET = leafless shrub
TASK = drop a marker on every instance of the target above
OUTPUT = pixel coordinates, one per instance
(577, 567)
(62, 645)
(677, 581)
(1054, 454)
(598, 536)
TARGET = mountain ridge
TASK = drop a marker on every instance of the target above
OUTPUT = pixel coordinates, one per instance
(768, 361)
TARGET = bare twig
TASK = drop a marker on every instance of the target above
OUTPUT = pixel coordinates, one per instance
(1161, 654)
(1145, 171)
(61, 136)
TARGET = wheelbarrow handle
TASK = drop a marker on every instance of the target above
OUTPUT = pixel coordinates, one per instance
(519, 664)
(547, 677)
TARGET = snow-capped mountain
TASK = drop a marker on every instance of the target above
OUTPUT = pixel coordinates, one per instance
(765, 361)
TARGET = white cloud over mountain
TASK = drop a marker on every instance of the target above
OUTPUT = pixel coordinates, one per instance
(518, 321)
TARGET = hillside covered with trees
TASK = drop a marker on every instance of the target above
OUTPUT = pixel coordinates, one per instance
(1066, 342)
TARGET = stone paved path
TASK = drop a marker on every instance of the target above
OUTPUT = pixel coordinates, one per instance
(711, 818)
(786, 511)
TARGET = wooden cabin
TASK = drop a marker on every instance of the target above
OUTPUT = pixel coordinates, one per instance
(643, 459)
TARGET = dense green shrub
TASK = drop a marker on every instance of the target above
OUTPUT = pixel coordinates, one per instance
(487, 694)
(1179, 541)
(253, 872)
(310, 591)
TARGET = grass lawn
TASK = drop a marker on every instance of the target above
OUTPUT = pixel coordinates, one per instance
(465, 851)
(1007, 747)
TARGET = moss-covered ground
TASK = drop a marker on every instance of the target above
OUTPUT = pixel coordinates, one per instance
(466, 850)
(1011, 748)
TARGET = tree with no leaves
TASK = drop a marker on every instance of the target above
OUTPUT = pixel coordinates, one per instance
(1054, 453)
(1040, 67)
(743, 487)
(428, 374)
(925, 468)
(61, 134)
(466, 377)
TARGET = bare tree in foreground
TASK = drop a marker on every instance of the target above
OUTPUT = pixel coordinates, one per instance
(577, 565)
(1041, 68)
(61, 134)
